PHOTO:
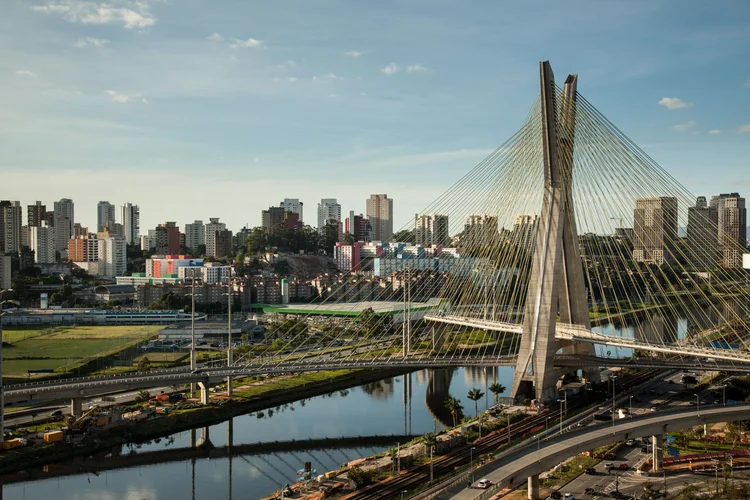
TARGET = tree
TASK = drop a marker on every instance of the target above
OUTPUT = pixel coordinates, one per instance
(429, 440)
(143, 396)
(144, 364)
(404, 236)
(496, 390)
(329, 236)
(369, 323)
(475, 395)
(455, 407)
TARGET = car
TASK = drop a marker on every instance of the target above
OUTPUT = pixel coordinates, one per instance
(717, 402)
(623, 466)
(484, 484)
(609, 465)
(630, 442)
(611, 456)
(654, 408)
(588, 491)
(703, 402)
(644, 449)
(643, 473)
(692, 403)
(555, 495)
(569, 496)
(591, 471)
(57, 415)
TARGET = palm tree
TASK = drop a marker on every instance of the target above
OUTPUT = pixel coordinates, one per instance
(475, 395)
(429, 440)
(393, 453)
(455, 407)
(496, 390)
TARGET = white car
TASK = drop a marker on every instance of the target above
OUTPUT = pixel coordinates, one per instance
(484, 484)
(569, 496)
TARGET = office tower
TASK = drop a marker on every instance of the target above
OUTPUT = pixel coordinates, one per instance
(328, 210)
(293, 205)
(272, 218)
(732, 227)
(702, 234)
(112, 256)
(167, 239)
(480, 231)
(131, 222)
(524, 230)
(195, 235)
(83, 248)
(359, 227)
(222, 243)
(35, 214)
(11, 221)
(380, 215)
(42, 241)
(64, 219)
(79, 230)
(431, 229)
(105, 215)
(212, 227)
(655, 230)
(5, 281)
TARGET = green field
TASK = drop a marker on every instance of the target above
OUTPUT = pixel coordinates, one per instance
(64, 347)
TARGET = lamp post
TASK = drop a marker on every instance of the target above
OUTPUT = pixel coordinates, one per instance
(546, 428)
(229, 331)
(2, 388)
(614, 392)
(471, 463)
(630, 406)
(432, 477)
(402, 494)
(560, 402)
(193, 357)
(724, 394)
(509, 428)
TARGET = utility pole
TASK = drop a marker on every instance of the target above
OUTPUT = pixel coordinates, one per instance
(229, 329)
(2, 387)
(193, 360)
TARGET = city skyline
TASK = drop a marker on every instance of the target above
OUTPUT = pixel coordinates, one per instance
(406, 113)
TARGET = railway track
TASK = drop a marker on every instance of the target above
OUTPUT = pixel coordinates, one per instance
(443, 466)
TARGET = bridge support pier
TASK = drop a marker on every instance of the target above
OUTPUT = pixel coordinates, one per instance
(437, 339)
(533, 487)
(204, 392)
(203, 440)
(193, 389)
(76, 406)
(230, 389)
(657, 456)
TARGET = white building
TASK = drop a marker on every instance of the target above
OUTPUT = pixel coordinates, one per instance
(195, 235)
(112, 256)
(211, 229)
(293, 205)
(210, 273)
(131, 221)
(431, 229)
(11, 220)
(148, 242)
(105, 215)
(328, 209)
(42, 241)
(64, 217)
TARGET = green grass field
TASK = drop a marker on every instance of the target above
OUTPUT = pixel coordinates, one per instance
(60, 347)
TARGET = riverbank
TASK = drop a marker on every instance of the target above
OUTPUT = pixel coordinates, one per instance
(23, 458)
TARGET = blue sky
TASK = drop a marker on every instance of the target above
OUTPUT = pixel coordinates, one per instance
(195, 109)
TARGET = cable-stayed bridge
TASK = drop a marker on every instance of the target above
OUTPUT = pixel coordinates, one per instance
(565, 238)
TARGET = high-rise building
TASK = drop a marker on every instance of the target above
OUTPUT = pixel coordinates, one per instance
(42, 241)
(732, 227)
(655, 230)
(702, 234)
(358, 227)
(431, 229)
(112, 256)
(167, 239)
(105, 215)
(212, 227)
(131, 222)
(380, 215)
(524, 231)
(328, 210)
(5, 277)
(293, 205)
(222, 243)
(83, 248)
(272, 218)
(36, 213)
(195, 235)
(64, 219)
(148, 241)
(11, 221)
(480, 231)
(79, 230)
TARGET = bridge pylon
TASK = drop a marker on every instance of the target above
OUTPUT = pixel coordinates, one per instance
(557, 284)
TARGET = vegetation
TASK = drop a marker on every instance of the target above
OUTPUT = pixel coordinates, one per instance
(455, 407)
(363, 477)
(475, 395)
(496, 389)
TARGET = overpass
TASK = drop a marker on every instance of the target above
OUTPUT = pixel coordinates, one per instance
(526, 462)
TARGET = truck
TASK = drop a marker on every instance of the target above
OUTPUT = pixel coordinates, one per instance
(14, 443)
(53, 437)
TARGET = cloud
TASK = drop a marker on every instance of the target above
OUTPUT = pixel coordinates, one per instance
(682, 127)
(743, 129)
(88, 41)
(215, 37)
(129, 13)
(674, 103)
(747, 83)
(292, 79)
(25, 73)
(353, 53)
(250, 43)
(715, 131)
(391, 69)
(124, 98)
(416, 68)
(332, 96)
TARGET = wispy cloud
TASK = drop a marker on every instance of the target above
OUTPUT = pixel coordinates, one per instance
(715, 131)
(416, 68)
(743, 129)
(129, 13)
(674, 103)
(215, 37)
(391, 69)
(88, 41)
(684, 126)
(125, 98)
(25, 73)
(328, 77)
(353, 53)
(250, 43)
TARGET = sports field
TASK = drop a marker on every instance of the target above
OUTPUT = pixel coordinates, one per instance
(64, 347)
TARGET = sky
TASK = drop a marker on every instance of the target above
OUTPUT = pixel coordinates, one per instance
(196, 109)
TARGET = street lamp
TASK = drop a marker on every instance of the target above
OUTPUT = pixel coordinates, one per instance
(560, 402)
(193, 360)
(724, 394)
(698, 401)
(229, 331)
(2, 389)
(614, 398)
(471, 463)
(402, 494)
(630, 406)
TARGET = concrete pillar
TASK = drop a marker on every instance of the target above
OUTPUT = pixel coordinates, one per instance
(657, 453)
(203, 440)
(76, 406)
(230, 389)
(204, 392)
(533, 487)
(193, 389)
(193, 440)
